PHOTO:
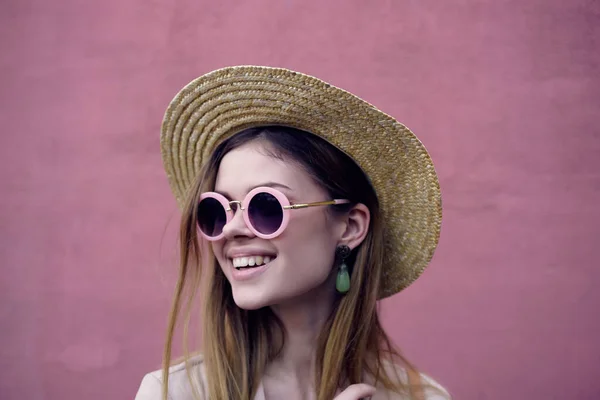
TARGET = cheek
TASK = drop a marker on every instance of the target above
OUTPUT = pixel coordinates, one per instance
(217, 249)
(309, 248)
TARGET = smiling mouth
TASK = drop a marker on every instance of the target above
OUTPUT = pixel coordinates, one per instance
(241, 263)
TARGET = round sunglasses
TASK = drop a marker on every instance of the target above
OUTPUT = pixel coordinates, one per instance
(266, 212)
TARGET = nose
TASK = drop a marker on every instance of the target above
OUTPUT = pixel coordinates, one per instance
(237, 227)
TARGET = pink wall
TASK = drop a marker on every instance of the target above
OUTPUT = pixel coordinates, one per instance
(505, 95)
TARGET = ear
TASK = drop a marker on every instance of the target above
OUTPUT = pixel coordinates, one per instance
(356, 226)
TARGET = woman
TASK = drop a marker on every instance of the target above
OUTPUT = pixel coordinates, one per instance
(302, 206)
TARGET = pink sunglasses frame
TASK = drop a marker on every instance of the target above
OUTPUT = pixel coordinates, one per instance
(243, 205)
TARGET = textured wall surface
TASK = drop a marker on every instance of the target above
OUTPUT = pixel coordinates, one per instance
(504, 94)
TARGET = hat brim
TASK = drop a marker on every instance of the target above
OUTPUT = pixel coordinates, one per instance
(224, 102)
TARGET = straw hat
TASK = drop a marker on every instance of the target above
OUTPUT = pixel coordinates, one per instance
(221, 103)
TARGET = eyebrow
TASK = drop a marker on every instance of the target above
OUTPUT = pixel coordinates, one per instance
(268, 184)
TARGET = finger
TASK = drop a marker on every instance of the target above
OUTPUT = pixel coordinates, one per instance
(356, 391)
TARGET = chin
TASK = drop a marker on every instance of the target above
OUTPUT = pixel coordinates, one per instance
(248, 299)
(250, 306)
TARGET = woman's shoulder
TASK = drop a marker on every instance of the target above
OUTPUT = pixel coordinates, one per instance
(430, 389)
(180, 386)
(433, 390)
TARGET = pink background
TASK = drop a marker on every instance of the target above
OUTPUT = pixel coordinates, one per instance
(505, 95)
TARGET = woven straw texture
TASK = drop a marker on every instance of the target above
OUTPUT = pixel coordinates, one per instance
(226, 101)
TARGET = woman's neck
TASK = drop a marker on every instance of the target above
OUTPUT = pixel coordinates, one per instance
(303, 319)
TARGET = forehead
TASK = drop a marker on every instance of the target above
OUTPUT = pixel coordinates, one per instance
(252, 165)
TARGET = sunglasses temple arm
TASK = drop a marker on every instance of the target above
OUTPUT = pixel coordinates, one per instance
(318, 203)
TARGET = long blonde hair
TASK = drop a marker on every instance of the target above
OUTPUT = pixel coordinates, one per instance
(238, 344)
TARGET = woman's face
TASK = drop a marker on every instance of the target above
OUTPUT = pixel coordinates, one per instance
(301, 258)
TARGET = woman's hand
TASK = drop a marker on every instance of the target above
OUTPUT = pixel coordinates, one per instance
(356, 392)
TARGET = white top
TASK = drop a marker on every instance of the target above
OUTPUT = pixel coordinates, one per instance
(180, 387)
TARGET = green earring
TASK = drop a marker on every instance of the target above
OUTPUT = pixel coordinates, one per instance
(342, 282)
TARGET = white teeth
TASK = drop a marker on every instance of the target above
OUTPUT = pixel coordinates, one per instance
(250, 261)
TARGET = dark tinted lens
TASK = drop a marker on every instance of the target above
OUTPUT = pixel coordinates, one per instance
(265, 213)
(211, 216)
